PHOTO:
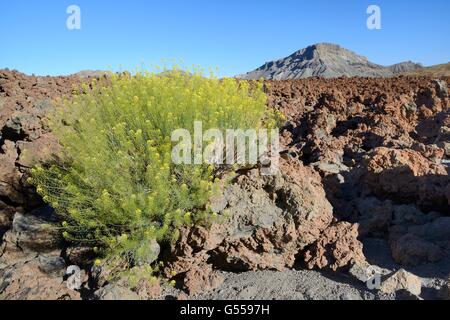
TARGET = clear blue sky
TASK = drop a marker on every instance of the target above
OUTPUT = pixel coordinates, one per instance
(234, 35)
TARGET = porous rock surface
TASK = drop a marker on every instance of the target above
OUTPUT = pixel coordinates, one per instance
(268, 222)
(380, 147)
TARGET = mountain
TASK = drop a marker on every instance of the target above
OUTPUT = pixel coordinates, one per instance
(407, 66)
(90, 73)
(439, 70)
(325, 60)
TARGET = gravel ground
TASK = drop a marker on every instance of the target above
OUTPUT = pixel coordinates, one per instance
(298, 284)
(288, 285)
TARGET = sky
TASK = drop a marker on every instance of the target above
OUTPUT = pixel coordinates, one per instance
(234, 36)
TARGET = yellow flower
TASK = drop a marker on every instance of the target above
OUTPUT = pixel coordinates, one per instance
(97, 262)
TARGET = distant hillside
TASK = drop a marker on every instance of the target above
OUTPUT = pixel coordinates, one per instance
(439, 70)
(326, 60)
(403, 67)
(91, 73)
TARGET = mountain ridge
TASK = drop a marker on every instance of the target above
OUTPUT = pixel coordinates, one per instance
(326, 60)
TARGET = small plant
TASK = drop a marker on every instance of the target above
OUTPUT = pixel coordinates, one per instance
(113, 181)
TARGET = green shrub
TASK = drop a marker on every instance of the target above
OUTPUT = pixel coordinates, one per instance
(113, 181)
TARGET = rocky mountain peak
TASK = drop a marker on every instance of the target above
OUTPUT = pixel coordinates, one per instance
(326, 60)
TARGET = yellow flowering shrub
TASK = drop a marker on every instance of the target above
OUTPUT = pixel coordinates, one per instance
(114, 182)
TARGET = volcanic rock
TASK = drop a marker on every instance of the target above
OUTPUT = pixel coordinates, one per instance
(24, 280)
(336, 248)
(402, 280)
(115, 292)
(201, 278)
(407, 176)
(268, 220)
(33, 233)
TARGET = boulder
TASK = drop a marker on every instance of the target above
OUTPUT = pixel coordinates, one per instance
(412, 250)
(115, 292)
(9, 175)
(51, 264)
(37, 151)
(201, 278)
(6, 216)
(366, 273)
(149, 253)
(23, 125)
(441, 88)
(267, 220)
(402, 280)
(373, 215)
(264, 223)
(437, 231)
(414, 244)
(25, 280)
(34, 232)
(148, 290)
(267, 223)
(336, 248)
(406, 176)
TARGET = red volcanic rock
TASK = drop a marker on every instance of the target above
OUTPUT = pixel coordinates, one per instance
(361, 113)
(268, 221)
(410, 249)
(201, 278)
(336, 248)
(25, 280)
(407, 176)
(24, 137)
